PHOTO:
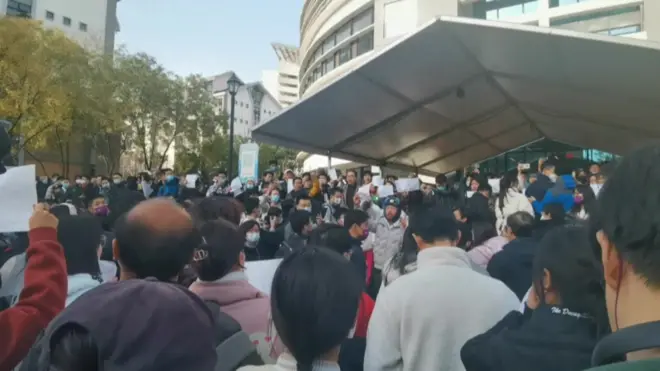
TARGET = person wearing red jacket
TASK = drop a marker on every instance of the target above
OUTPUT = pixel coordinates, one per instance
(43, 294)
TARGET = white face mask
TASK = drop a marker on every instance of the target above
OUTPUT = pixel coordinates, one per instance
(308, 209)
(553, 177)
(252, 237)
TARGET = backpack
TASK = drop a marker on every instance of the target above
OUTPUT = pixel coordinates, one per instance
(233, 346)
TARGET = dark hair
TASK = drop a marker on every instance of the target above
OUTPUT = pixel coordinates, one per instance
(627, 212)
(251, 203)
(299, 219)
(589, 199)
(148, 253)
(332, 236)
(576, 274)
(547, 166)
(484, 186)
(220, 250)
(556, 212)
(351, 171)
(131, 183)
(434, 223)
(80, 237)
(406, 255)
(60, 211)
(213, 208)
(508, 181)
(336, 190)
(441, 179)
(521, 224)
(482, 232)
(72, 348)
(355, 217)
(247, 225)
(274, 211)
(302, 197)
(314, 302)
(367, 172)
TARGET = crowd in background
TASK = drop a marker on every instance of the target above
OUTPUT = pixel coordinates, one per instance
(523, 271)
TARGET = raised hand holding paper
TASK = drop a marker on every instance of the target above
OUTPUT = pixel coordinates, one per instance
(18, 195)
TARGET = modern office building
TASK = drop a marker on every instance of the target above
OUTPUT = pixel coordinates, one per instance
(246, 113)
(336, 35)
(287, 74)
(92, 23)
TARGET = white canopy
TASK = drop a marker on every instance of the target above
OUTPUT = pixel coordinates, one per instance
(459, 91)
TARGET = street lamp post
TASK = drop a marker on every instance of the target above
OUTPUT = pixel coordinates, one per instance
(233, 84)
(257, 95)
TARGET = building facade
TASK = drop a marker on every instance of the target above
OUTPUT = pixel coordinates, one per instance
(247, 114)
(92, 23)
(288, 87)
(336, 35)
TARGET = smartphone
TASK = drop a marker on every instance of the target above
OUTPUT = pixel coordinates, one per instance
(524, 166)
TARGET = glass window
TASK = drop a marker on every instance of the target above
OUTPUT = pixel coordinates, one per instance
(66, 21)
(363, 20)
(328, 65)
(344, 32)
(19, 8)
(365, 44)
(511, 11)
(328, 44)
(50, 15)
(344, 55)
(83, 26)
(624, 30)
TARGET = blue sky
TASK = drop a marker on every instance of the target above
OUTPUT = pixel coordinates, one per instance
(210, 36)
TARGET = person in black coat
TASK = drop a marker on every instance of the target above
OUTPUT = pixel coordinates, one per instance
(568, 314)
(477, 207)
(513, 265)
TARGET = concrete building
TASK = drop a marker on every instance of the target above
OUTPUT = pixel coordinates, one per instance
(287, 74)
(269, 81)
(244, 110)
(92, 23)
(336, 35)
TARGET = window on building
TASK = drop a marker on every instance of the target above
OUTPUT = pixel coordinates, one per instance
(621, 31)
(344, 55)
(66, 21)
(365, 44)
(494, 11)
(82, 26)
(19, 8)
(556, 3)
(328, 65)
(344, 32)
(602, 21)
(50, 15)
(328, 44)
(363, 20)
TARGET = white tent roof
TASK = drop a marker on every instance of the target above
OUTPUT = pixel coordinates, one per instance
(459, 91)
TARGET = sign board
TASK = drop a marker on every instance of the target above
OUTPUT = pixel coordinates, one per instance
(248, 162)
(18, 195)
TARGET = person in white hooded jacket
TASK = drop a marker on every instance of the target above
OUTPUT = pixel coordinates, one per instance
(422, 319)
(510, 200)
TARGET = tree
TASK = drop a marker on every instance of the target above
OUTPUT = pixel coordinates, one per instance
(33, 94)
(285, 157)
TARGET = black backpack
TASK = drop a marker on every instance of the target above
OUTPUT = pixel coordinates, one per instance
(233, 346)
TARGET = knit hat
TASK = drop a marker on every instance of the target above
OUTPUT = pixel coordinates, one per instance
(139, 325)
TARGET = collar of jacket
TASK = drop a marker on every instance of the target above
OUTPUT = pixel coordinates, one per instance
(442, 256)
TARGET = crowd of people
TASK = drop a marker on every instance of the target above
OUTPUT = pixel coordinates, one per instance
(545, 271)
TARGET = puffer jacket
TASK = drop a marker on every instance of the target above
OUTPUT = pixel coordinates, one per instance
(389, 237)
(513, 202)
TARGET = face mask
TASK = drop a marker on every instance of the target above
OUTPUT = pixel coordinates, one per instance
(252, 237)
(336, 201)
(250, 186)
(169, 178)
(365, 233)
(65, 185)
(578, 199)
(116, 181)
(101, 211)
(308, 209)
(44, 181)
(222, 180)
(105, 185)
(83, 182)
(78, 181)
(275, 198)
(553, 177)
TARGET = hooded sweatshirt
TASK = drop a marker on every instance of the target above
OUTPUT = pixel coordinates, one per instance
(246, 304)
